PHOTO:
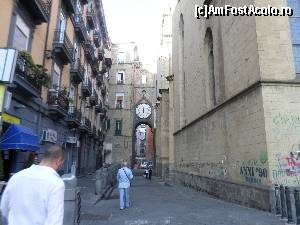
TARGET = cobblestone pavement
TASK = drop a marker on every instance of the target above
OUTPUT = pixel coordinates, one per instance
(154, 203)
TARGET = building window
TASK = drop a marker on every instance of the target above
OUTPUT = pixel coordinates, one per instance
(121, 57)
(118, 131)
(144, 79)
(108, 124)
(119, 100)
(295, 32)
(210, 65)
(21, 35)
(56, 76)
(120, 77)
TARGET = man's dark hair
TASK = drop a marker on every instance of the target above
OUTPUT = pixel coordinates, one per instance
(53, 153)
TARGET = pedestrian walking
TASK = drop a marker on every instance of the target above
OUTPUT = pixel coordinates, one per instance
(35, 196)
(150, 172)
(124, 178)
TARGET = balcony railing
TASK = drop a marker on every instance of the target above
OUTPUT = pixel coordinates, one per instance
(80, 28)
(97, 38)
(58, 102)
(94, 98)
(91, 18)
(88, 124)
(74, 117)
(89, 51)
(77, 72)
(103, 89)
(83, 128)
(95, 68)
(103, 114)
(108, 62)
(98, 108)
(103, 69)
(101, 55)
(70, 5)
(26, 79)
(99, 80)
(86, 88)
(38, 9)
(62, 46)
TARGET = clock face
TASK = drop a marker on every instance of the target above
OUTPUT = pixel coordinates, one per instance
(143, 110)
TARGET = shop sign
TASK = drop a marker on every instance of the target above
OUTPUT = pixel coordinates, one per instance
(10, 119)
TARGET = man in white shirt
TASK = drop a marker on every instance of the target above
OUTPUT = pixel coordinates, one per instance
(35, 196)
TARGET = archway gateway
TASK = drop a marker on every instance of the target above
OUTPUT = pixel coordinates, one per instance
(143, 135)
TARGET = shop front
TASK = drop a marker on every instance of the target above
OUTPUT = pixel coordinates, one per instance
(19, 147)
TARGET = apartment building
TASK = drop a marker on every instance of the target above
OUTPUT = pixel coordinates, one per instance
(61, 79)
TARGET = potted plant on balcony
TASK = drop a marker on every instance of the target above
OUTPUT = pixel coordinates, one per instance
(36, 74)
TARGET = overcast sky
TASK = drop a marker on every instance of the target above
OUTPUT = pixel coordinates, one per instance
(136, 21)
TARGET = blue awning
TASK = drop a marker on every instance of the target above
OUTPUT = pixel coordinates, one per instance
(20, 138)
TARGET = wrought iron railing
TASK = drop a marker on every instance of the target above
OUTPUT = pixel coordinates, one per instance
(80, 26)
(61, 37)
(78, 70)
(58, 99)
(73, 113)
(23, 71)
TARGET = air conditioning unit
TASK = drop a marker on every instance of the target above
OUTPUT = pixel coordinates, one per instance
(49, 135)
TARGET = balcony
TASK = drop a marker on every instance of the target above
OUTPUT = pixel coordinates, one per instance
(86, 88)
(103, 114)
(28, 82)
(101, 55)
(98, 108)
(62, 46)
(70, 5)
(108, 62)
(97, 38)
(95, 68)
(89, 51)
(93, 99)
(83, 127)
(77, 72)
(89, 126)
(38, 9)
(103, 89)
(91, 18)
(73, 117)
(80, 28)
(58, 103)
(99, 80)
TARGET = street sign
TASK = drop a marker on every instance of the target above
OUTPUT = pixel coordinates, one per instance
(8, 60)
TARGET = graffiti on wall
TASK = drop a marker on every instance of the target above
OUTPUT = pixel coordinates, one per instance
(211, 169)
(285, 124)
(255, 170)
(287, 169)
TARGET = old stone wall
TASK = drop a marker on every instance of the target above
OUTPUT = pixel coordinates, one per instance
(235, 104)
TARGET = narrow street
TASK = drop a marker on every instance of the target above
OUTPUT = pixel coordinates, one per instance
(155, 203)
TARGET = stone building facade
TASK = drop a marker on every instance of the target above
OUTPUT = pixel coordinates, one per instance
(164, 105)
(236, 109)
(127, 81)
(64, 106)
